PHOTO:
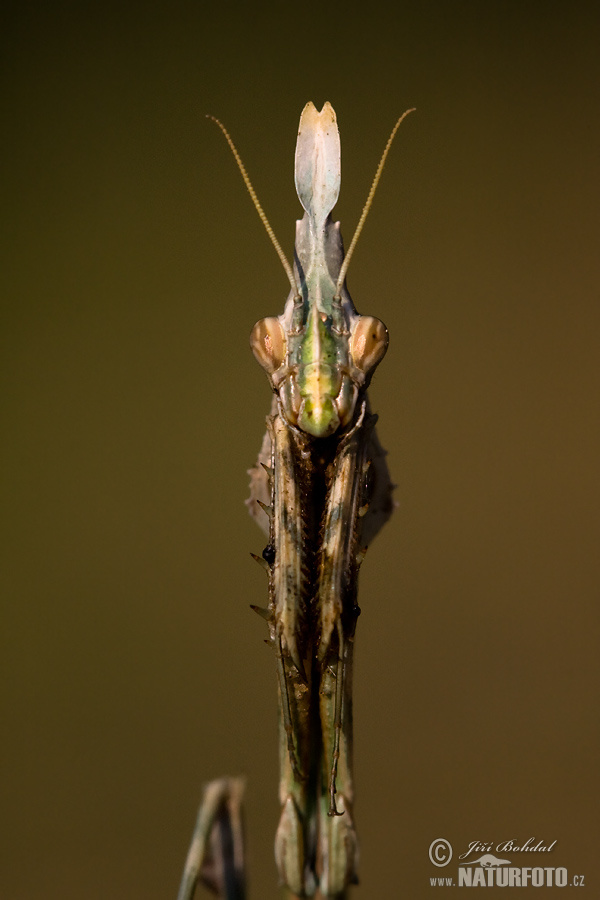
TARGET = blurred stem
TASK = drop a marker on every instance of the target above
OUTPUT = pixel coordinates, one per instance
(216, 854)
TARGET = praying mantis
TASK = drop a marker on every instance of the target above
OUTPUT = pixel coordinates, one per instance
(321, 491)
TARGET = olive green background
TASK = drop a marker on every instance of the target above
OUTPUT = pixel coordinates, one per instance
(134, 267)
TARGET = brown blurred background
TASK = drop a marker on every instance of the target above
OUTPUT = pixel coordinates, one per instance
(133, 269)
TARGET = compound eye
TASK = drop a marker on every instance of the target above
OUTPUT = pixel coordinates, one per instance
(368, 343)
(267, 341)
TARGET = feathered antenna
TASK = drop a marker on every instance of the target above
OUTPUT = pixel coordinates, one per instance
(288, 269)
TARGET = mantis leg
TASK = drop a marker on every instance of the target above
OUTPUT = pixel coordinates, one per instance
(294, 840)
(338, 575)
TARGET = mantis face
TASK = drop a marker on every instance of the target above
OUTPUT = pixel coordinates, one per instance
(319, 373)
(320, 353)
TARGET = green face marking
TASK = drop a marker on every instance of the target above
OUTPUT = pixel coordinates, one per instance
(318, 379)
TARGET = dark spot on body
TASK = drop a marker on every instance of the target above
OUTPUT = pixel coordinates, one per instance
(268, 554)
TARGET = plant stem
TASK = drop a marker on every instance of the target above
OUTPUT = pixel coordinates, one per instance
(216, 854)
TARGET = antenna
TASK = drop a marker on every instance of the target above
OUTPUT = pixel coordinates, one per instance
(367, 205)
(259, 209)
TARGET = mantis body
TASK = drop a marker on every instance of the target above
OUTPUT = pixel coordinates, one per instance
(323, 490)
